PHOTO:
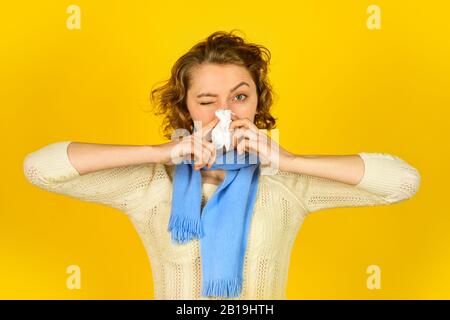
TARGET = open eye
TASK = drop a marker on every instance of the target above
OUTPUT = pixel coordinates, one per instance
(240, 95)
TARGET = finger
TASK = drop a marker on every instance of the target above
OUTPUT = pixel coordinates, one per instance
(244, 122)
(205, 130)
(214, 154)
(202, 156)
(213, 157)
(204, 151)
(243, 145)
(250, 134)
(207, 154)
(212, 148)
(234, 139)
(195, 149)
(240, 133)
(237, 135)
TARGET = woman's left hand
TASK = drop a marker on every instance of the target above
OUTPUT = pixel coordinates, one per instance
(247, 137)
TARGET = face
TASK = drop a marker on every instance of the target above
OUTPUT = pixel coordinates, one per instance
(215, 86)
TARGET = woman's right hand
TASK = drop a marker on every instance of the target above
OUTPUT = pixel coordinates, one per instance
(193, 147)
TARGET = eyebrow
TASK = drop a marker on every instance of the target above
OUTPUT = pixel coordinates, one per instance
(215, 95)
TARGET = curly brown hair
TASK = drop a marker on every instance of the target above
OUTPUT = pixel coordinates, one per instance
(222, 48)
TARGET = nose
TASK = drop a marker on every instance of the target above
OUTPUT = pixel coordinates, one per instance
(227, 108)
(224, 106)
(227, 105)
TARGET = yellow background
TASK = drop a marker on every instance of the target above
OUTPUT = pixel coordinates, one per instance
(340, 89)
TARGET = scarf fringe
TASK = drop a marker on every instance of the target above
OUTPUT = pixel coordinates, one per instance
(223, 288)
(184, 229)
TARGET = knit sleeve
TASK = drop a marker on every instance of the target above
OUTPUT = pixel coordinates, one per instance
(49, 168)
(387, 179)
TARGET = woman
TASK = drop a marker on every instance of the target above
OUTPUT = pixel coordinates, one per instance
(153, 184)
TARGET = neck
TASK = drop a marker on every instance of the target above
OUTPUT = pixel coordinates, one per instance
(213, 175)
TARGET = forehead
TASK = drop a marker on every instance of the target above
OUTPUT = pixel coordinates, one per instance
(216, 76)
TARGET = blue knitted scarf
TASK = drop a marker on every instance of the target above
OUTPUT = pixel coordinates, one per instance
(223, 225)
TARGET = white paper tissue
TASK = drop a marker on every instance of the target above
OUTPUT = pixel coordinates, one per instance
(221, 136)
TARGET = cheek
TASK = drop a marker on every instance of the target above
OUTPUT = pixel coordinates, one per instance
(248, 112)
(202, 115)
(196, 112)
